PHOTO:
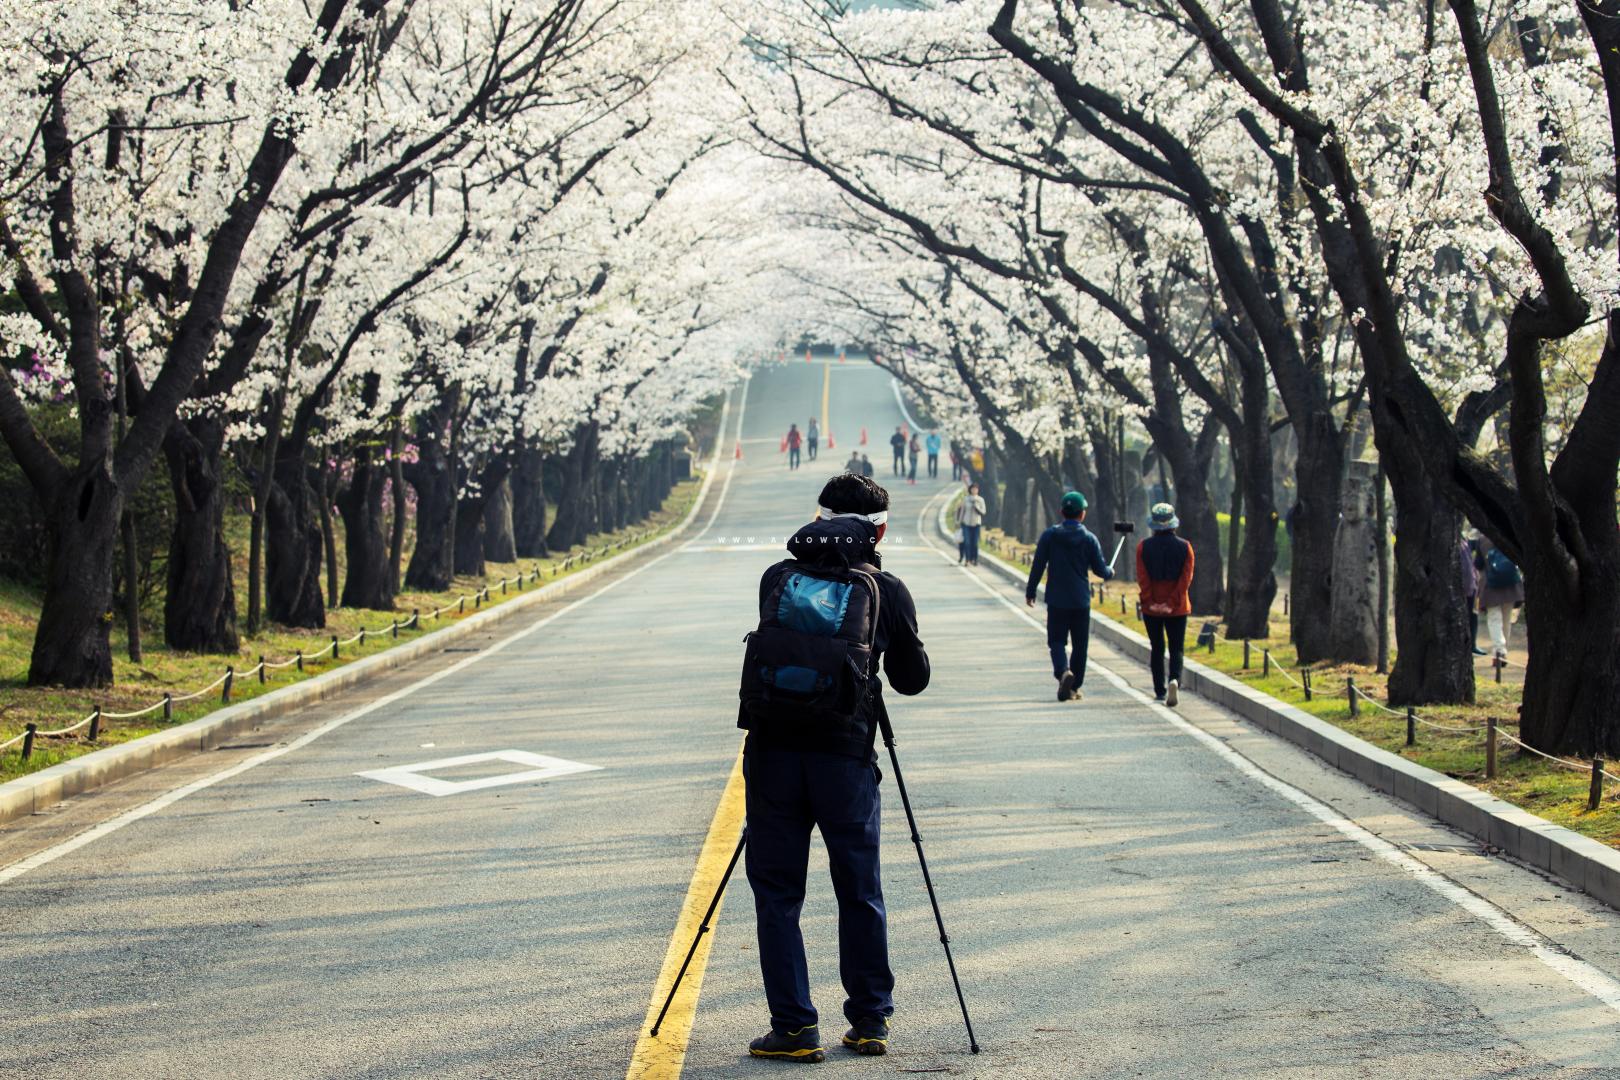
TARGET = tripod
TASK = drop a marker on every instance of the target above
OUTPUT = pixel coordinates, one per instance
(916, 839)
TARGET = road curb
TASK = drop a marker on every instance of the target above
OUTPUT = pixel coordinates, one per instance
(1580, 861)
(28, 794)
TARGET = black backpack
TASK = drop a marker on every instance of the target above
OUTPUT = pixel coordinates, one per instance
(810, 660)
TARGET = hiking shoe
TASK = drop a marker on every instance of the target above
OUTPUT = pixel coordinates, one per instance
(869, 1035)
(802, 1045)
(1172, 692)
(1478, 651)
(1066, 687)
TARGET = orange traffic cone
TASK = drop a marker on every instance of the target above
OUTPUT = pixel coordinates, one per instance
(863, 436)
(807, 356)
(784, 445)
(840, 356)
(738, 454)
(830, 444)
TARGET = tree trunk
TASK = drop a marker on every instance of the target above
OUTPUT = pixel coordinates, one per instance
(1316, 520)
(368, 580)
(469, 558)
(1434, 661)
(500, 544)
(293, 545)
(71, 646)
(325, 485)
(575, 513)
(132, 587)
(529, 505)
(396, 489)
(432, 568)
(199, 606)
(1352, 617)
(1254, 576)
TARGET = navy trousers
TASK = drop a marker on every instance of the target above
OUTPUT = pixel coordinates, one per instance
(789, 793)
(1063, 625)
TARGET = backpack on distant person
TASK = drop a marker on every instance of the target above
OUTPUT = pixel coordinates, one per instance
(810, 661)
(1500, 573)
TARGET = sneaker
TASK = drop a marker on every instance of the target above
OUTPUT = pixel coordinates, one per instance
(1172, 692)
(869, 1035)
(1066, 687)
(1478, 651)
(1159, 697)
(802, 1045)
(1078, 696)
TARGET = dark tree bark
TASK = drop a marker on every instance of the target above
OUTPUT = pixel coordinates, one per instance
(432, 566)
(469, 557)
(529, 505)
(500, 544)
(574, 516)
(293, 544)
(368, 580)
(396, 489)
(71, 645)
(199, 607)
(325, 490)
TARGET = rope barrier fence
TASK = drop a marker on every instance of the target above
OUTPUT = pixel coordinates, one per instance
(225, 682)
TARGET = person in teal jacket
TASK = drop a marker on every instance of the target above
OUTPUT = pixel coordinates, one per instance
(933, 445)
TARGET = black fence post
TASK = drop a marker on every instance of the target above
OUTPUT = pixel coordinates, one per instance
(1350, 695)
(261, 669)
(1490, 748)
(28, 741)
(1245, 654)
(168, 706)
(1265, 662)
(95, 724)
(1594, 797)
(1411, 726)
(334, 648)
(225, 692)
(416, 618)
(1305, 674)
(393, 628)
(300, 659)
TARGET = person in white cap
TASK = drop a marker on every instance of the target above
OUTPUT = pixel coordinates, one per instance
(1164, 572)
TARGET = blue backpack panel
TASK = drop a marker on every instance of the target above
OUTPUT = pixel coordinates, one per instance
(810, 660)
(1500, 573)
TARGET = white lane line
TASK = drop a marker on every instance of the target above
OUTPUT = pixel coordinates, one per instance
(742, 413)
(169, 798)
(900, 400)
(1583, 974)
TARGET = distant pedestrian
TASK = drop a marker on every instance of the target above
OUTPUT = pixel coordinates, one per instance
(933, 455)
(1068, 550)
(794, 439)
(1469, 575)
(898, 442)
(853, 465)
(867, 468)
(914, 449)
(812, 437)
(970, 518)
(1501, 596)
(1164, 572)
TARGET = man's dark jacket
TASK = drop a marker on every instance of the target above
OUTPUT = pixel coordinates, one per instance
(852, 542)
(1065, 552)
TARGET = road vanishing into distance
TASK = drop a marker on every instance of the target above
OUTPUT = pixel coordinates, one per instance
(1130, 891)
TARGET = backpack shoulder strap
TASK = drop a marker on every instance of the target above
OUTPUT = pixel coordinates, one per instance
(865, 575)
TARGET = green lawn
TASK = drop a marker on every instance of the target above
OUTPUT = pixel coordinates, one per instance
(1523, 779)
(137, 686)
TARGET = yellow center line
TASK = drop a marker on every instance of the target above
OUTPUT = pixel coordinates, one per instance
(662, 1057)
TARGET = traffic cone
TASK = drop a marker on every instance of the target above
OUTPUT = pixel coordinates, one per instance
(863, 436)
(807, 356)
(830, 444)
(840, 356)
(784, 445)
(738, 454)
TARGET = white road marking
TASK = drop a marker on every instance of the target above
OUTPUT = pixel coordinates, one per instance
(1584, 975)
(415, 776)
(169, 798)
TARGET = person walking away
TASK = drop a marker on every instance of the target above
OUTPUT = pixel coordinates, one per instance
(1164, 573)
(970, 516)
(794, 440)
(853, 465)
(867, 468)
(898, 442)
(914, 449)
(933, 455)
(1470, 586)
(812, 437)
(956, 463)
(807, 767)
(1501, 596)
(1065, 552)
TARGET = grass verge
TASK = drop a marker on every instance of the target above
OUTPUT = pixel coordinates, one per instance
(137, 686)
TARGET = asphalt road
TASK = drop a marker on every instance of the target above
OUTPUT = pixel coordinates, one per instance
(1125, 897)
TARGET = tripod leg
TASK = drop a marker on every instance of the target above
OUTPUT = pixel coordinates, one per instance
(742, 842)
(928, 881)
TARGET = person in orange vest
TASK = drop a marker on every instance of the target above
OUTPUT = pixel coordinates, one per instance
(1164, 572)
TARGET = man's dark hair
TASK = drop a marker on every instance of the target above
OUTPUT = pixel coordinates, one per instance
(847, 493)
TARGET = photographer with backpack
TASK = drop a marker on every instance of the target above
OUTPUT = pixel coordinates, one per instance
(812, 706)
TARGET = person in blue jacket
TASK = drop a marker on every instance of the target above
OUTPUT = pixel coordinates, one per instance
(1065, 553)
